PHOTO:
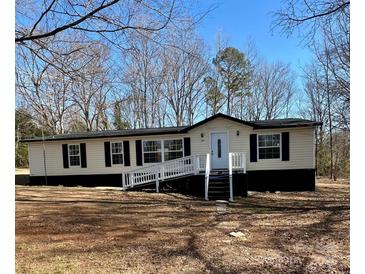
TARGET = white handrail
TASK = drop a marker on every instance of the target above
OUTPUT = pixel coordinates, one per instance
(166, 170)
(238, 161)
(202, 160)
(188, 165)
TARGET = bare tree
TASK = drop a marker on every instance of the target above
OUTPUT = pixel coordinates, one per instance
(91, 86)
(48, 18)
(315, 108)
(276, 83)
(44, 91)
(271, 92)
(309, 16)
(329, 108)
(184, 68)
(325, 28)
(142, 76)
(321, 106)
(334, 55)
(45, 27)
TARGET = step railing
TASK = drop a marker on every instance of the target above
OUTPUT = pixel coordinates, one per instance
(236, 161)
(188, 165)
(166, 170)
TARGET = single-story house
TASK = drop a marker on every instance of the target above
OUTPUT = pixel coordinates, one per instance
(219, 156)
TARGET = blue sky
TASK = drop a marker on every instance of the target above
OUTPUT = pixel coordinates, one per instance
(242, 20)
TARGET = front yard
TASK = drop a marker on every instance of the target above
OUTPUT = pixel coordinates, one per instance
(88, 230)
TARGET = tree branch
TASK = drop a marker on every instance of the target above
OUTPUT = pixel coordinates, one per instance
(301, 20)
(67, 26)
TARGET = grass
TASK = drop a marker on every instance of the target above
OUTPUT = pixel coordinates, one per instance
(87, 230)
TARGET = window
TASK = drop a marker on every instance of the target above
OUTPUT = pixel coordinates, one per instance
(152, 151)
(162, 150)
(74, 155)
(269, 146)
(173, 149)
(219, 148)
(117, 153)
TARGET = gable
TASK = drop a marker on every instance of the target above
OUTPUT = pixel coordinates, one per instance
(219, 123)
(219, 116)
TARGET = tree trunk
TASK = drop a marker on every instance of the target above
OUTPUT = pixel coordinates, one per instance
(329, 115)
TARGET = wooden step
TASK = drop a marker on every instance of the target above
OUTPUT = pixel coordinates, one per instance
(218, 189)
(218, 183)
(216, 192)
(218, 178)
(218, 172)
(219, 186)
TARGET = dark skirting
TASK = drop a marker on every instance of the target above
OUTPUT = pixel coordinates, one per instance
(281, 180)
(262, 180)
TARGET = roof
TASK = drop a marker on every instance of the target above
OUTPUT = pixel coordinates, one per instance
(261, 124)
(108, 133)
(221, 115)
(284, 123)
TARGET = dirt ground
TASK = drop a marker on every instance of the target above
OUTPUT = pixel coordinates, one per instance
(88, 230)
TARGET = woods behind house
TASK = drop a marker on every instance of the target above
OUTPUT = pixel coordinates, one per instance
(97, 65)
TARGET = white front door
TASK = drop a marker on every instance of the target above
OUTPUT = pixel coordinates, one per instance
(219, 150)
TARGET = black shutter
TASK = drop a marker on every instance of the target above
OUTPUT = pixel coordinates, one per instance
(139, 152)
(65, 155)
(285, 146)
(83, 155)
(253, 147)
(187, 149)
(107, 154)
(127, 160)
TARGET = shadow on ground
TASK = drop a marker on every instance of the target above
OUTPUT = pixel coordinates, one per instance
(83, 229)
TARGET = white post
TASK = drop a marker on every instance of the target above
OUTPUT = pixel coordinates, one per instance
(196, 164)
(230, 177)
(157, 182)
(162, 172)
(244, 162)
(123, 181)
(207, 171)
(132, 179)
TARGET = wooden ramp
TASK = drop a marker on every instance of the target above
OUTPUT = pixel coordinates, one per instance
(218, 183)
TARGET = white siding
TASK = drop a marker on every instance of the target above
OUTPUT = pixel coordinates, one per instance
(94, 154)
(236, 143)
(300, 144)
(301, 149)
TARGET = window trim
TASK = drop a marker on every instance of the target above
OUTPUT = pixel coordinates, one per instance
(162, 149)
(69, 155)
(258, 147)
(111, 152)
